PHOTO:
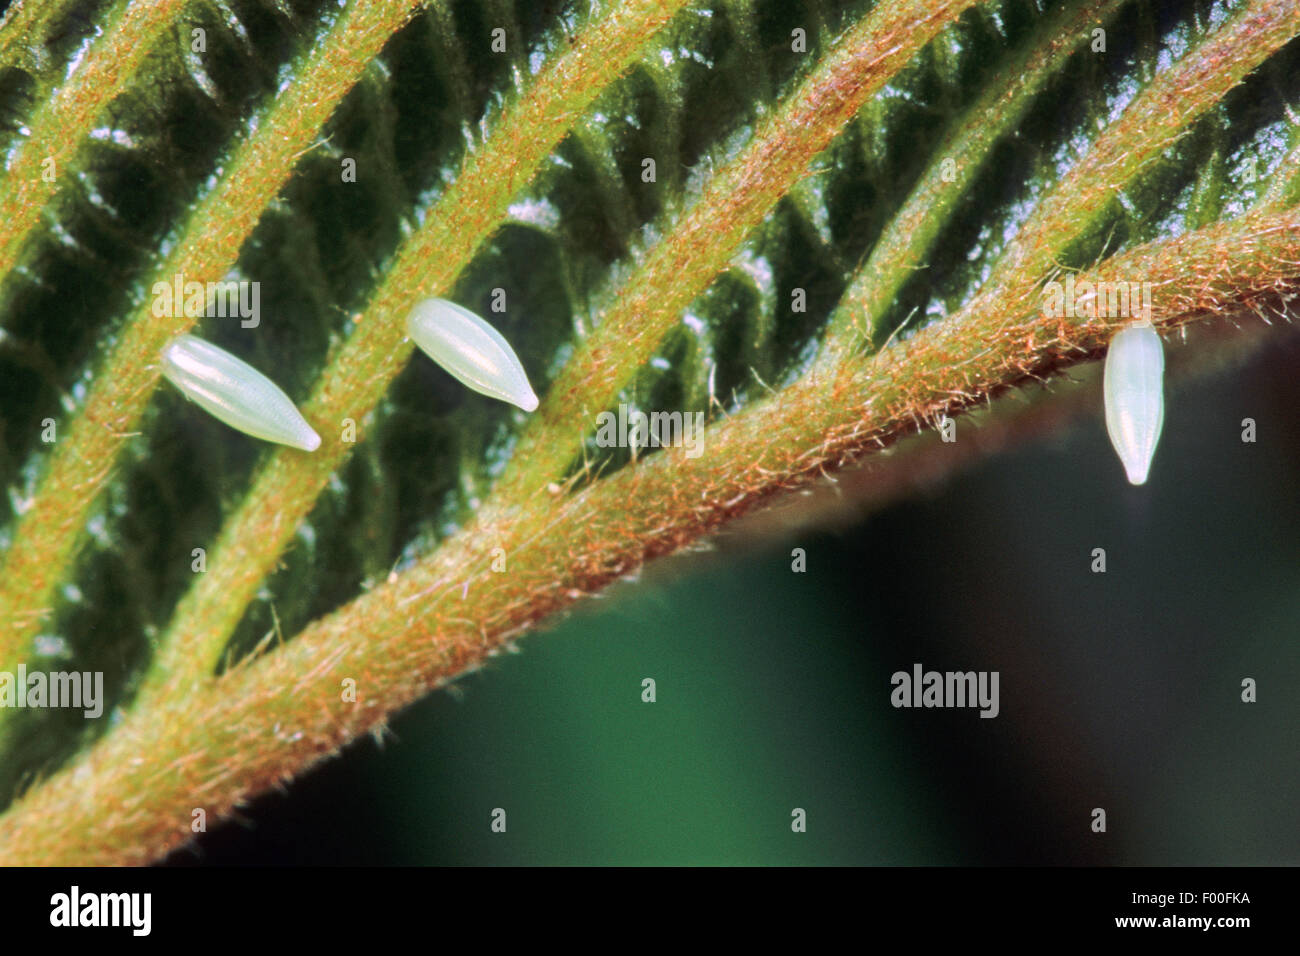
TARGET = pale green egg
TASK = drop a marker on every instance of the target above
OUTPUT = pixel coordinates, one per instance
(1135, 397)
(230, 389)
(471, 350)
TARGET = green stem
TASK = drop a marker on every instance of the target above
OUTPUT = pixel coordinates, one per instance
(131, 798)
(1284, 184)
(910, 234)
(360, 371)
(25, 27)
(49, 531)
(1151, 123)
(61, 124)
(708, 235)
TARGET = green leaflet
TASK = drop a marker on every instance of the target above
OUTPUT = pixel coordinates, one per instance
(575, 235)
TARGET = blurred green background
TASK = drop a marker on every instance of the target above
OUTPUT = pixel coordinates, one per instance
(1119, 690)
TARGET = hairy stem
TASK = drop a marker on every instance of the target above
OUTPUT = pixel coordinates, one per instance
(25, 29)
(359, 372)
(50, 530)
(1149, 125)
(681, 266)
(1284, 185)
(912, 231)
(61, 124)
(131, 798)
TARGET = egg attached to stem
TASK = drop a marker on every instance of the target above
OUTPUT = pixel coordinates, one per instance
(230, 389)
(471, 350)
(1135, 398)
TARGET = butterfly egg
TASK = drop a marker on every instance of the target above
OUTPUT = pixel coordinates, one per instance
(232, 390)
(471, 350)
(1135, 398)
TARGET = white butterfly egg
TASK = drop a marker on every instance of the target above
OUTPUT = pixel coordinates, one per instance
(471, 350)
(233, 391)
(1135, 398)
